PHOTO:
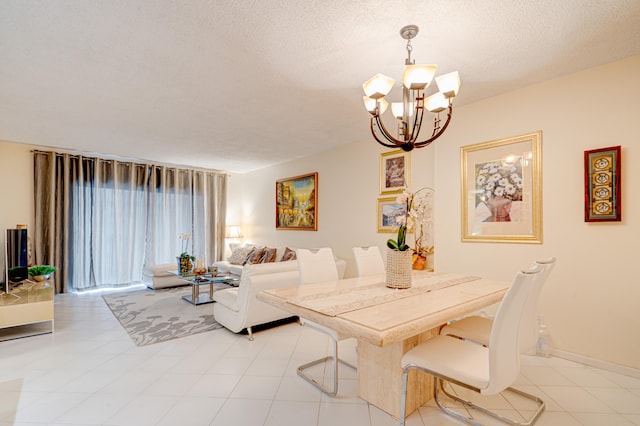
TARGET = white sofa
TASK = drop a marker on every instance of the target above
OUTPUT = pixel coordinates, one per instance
(226, 267)
(238, 308)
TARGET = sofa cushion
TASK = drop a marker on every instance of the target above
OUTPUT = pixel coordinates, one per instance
(255, 256)
(160, 270)
(267, 268)
(269, 255)
(235, 269)
(289, 254)
(228, 297)
(239, 255)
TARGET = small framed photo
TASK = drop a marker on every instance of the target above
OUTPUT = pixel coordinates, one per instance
(502, 190)
(297, 203)
(389, 209)
(395, 171)
(602, 185)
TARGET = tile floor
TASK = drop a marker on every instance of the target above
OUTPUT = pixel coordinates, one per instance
(89, 373)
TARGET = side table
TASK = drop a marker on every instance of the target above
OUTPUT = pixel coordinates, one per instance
(196, 281)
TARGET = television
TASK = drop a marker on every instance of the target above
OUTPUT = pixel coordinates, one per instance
(16, 258)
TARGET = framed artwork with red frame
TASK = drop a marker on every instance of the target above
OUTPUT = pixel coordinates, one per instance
(602, 185)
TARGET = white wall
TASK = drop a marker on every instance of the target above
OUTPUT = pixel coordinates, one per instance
(591, 303)
(16, 191)
(592, 300)
(348, 190)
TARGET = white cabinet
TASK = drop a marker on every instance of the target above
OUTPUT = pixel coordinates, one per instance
(27, 303)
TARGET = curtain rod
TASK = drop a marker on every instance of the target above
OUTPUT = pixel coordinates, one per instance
(137, 162)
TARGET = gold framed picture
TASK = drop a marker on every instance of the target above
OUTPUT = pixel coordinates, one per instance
(389, 209)
(297, 203)
(395, 171)
(502, 190)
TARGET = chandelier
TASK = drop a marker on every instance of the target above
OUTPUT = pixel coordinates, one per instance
(409, 112)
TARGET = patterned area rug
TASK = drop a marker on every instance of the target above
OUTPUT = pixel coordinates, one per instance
(153, 316)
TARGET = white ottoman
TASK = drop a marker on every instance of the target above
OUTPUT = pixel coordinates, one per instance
(158, 276)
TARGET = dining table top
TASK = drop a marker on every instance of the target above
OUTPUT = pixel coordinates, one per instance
(365, 308)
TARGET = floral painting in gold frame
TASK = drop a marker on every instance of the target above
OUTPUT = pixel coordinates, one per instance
(395, 171)
(297, 203)
(502, 190)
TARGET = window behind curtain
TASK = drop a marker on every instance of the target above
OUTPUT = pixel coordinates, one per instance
(107, 224)
(100, 221)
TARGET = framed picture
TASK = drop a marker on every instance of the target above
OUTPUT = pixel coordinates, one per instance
(388, 210)
(395, 171)
(297, 203)
(502, 190)
(602, 185)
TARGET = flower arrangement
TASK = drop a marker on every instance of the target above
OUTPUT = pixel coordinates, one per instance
(422, 218)
(184, 244)
(500, 179)
(417, 216)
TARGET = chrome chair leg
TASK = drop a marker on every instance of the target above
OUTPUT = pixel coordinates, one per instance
(438, 385)
(531, 421)
(333, 391)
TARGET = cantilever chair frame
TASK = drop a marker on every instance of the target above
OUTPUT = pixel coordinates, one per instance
(332, 334)
(438, 383)
(440, 378)
(324, 389)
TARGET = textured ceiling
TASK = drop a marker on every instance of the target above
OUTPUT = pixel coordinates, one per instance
(239, 85)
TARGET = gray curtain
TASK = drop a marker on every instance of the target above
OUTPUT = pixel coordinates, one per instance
(99, 221)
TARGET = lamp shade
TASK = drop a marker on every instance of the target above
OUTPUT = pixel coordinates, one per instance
(436, 102)
(449, 84)
(397, 108)
(233, 231)
(370, 104)
(378, 86)
(418, 77)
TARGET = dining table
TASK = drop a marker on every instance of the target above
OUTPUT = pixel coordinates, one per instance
(388, 322)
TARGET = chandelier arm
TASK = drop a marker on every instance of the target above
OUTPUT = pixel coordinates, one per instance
(417, 124)
(440, 132)
(385, 132)
(388, 145)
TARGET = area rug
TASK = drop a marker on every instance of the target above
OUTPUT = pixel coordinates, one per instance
(153, 316)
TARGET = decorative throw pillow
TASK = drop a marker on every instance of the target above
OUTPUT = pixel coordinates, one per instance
(288, 255)
(239, 255)
(269, 255)
(255, 255)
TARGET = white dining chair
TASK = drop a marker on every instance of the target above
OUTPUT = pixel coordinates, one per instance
(368, 261)
(478, 329)
(486, 370)
(317, 266)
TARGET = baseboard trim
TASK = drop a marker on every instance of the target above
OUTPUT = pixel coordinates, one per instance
(605, 365)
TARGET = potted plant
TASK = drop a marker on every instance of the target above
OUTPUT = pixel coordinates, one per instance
(185, 260)
(41, 272)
